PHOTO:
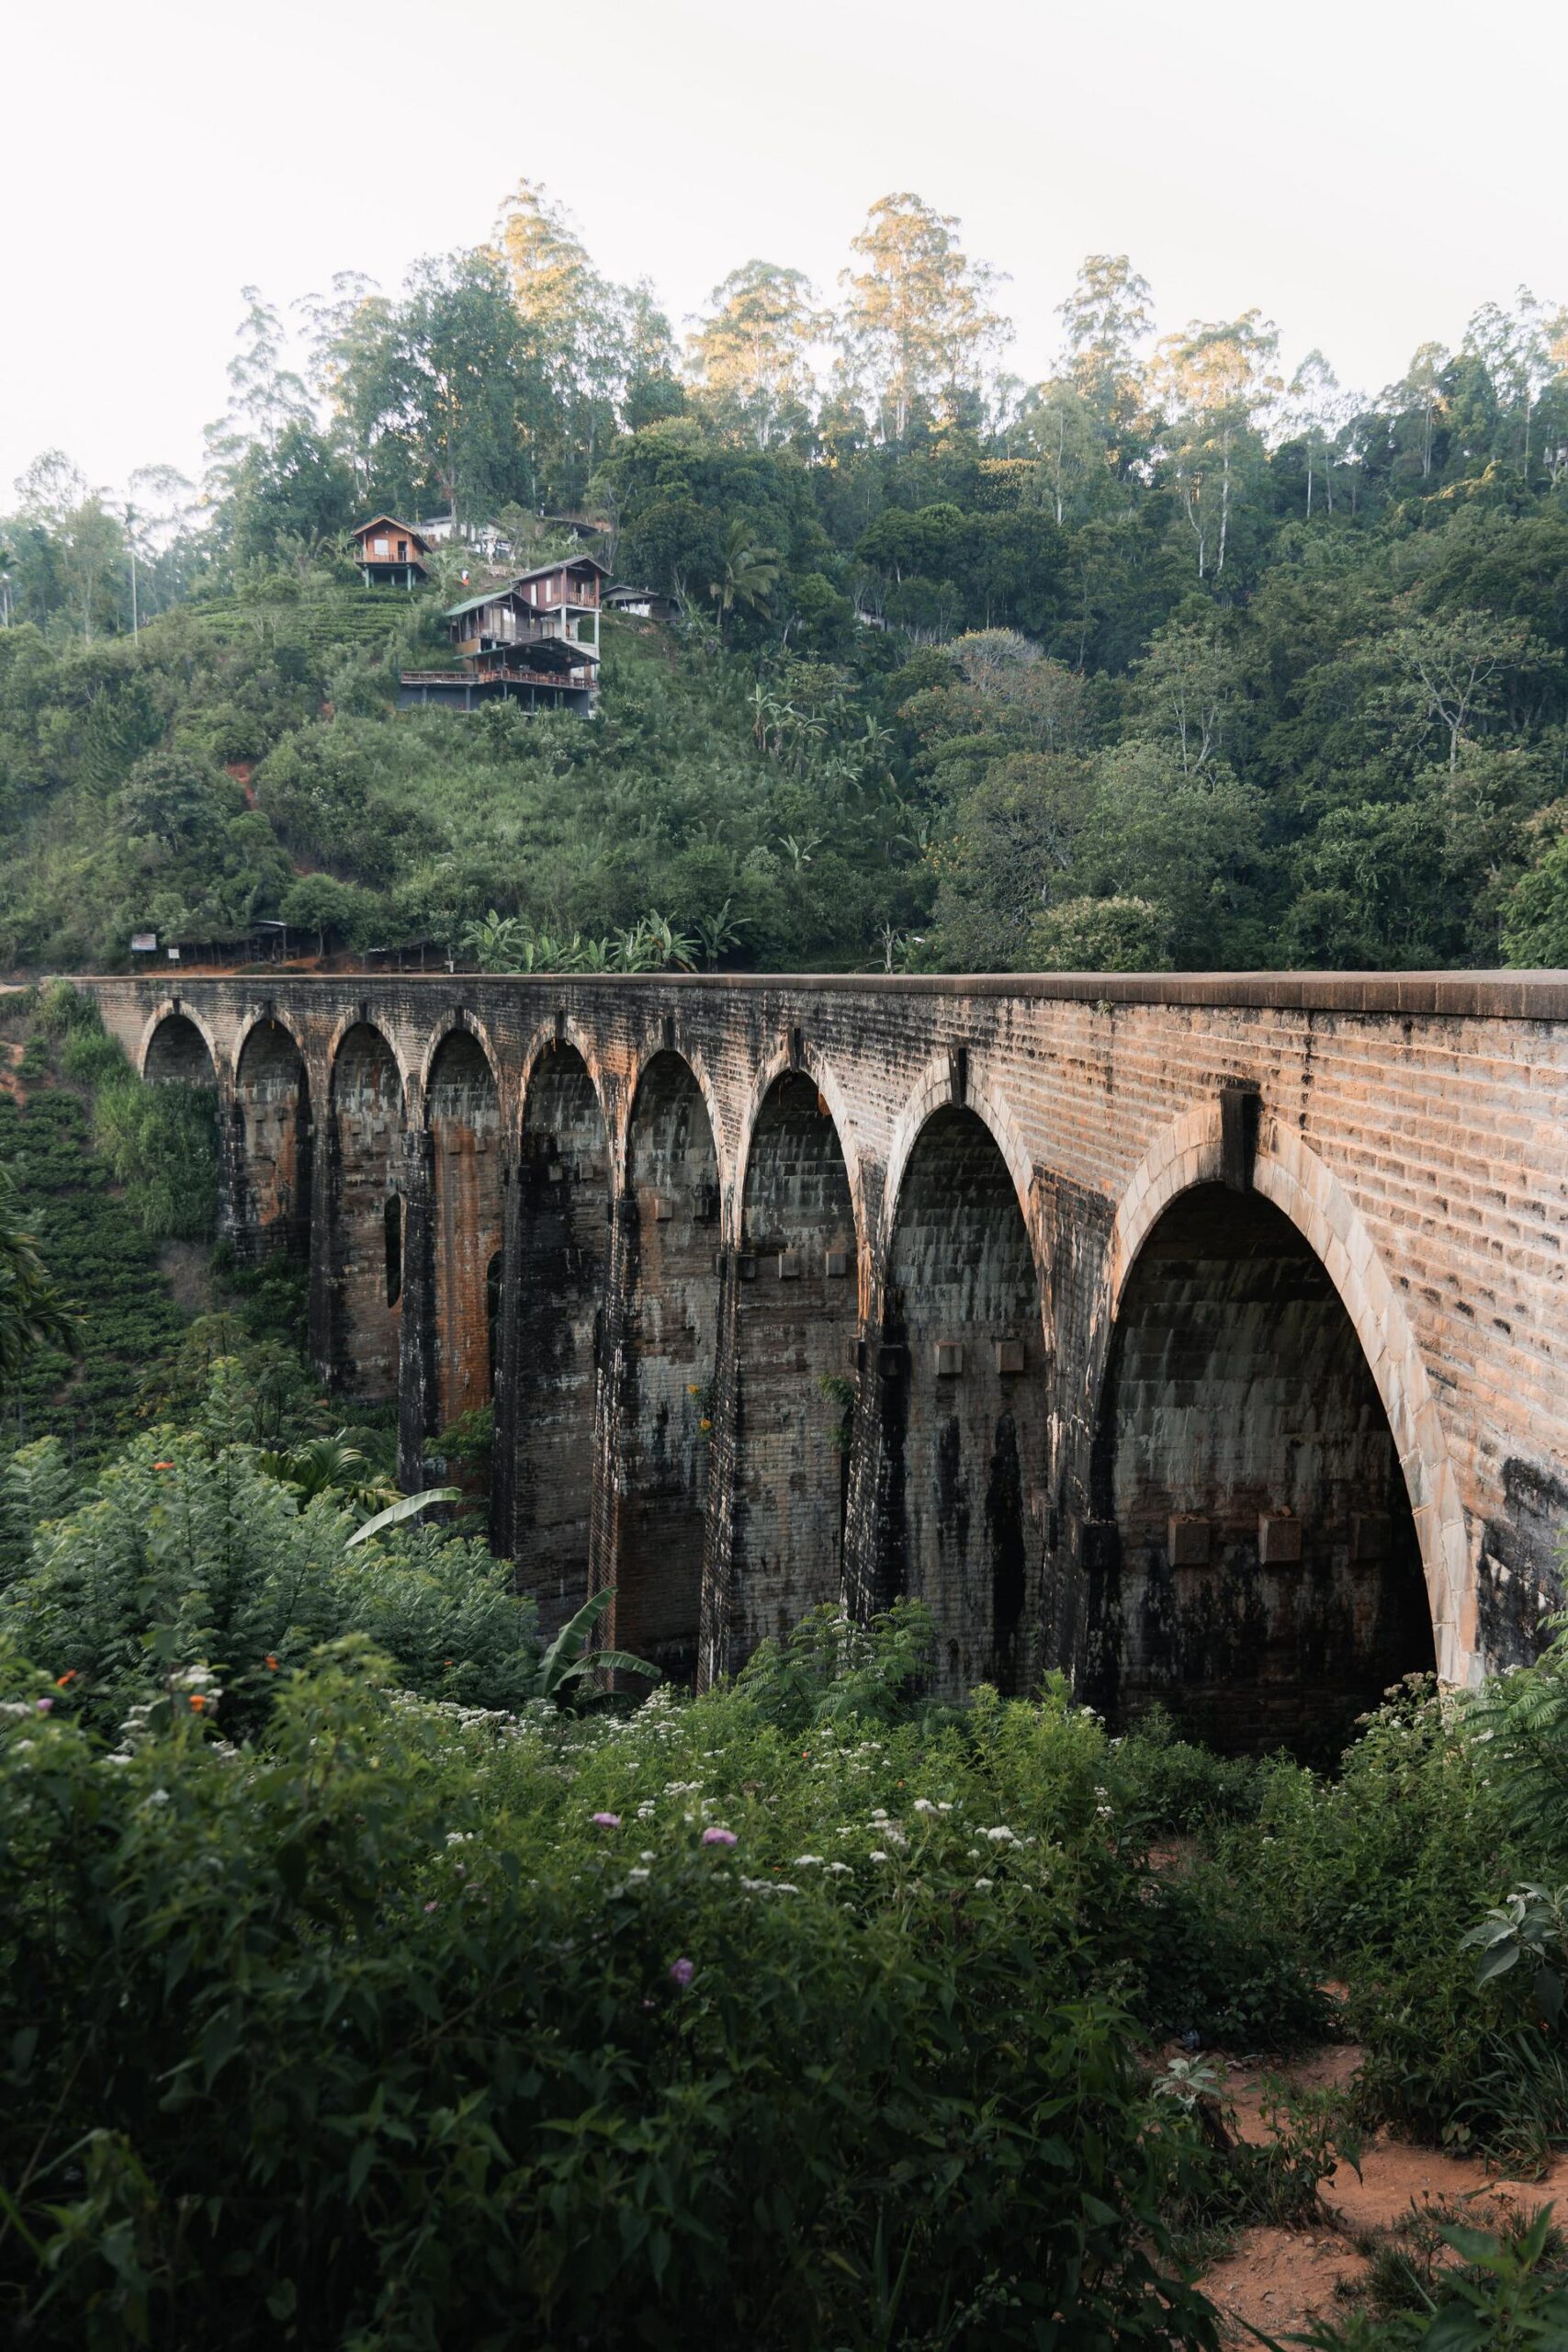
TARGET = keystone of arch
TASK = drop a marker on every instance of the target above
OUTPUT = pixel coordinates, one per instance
(1288, 1174)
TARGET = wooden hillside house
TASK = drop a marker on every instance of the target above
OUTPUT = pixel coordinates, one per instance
(390, 554)
(534, 642)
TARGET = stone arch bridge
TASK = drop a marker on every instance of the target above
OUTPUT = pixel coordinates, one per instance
(1205, 1336)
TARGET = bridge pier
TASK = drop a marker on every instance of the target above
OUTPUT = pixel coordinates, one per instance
(551, 1487)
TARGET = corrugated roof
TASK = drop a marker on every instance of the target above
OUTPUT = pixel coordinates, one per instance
(563, 563)
(472, 604)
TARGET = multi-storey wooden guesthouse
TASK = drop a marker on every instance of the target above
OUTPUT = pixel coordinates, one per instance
(535, 641)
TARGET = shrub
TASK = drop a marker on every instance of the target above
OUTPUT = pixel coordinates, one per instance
(189, 1546)
(454, 2028)
(1217, 1971)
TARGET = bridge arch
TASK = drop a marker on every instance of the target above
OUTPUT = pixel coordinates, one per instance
(565, 1030)
(671, 1233)
(271, 1140)
(936, 1089)
(963, 1374)
(367, 1209)
(463, 1023)
(177, 1048)
(360, 1016)
(693, 1062)
(797, 1316)
(831, 1090)
(1268, 1544)
(552, 1322)
(461, 1100)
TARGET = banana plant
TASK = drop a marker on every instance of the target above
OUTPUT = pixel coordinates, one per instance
(569, 1661)
(408, 1507)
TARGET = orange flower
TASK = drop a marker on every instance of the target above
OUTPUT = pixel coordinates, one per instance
(63, 1682)
(198, 1703)
(270, 1662)
(162, 1466)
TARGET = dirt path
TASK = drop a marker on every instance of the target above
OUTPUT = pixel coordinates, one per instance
(1278, 2280)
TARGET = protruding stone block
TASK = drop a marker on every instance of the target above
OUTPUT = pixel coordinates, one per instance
(1010, 1356)
(836, 1264)
(660, 1208)
(791, 1265)
(1188, 1538)
(1278, 1540)
(949, 1359)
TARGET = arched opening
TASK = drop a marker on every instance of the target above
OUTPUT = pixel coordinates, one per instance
(272, 1144)
(177, 1189)
(177, 1055)
(962, 1377)
(563, 1210)
(666, 1367)
(366, 1193)
(796, 1321)
(463, 1110)
(1252, 1558)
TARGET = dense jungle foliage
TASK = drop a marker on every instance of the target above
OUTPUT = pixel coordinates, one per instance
(473, 2003)
(804, 2012)
(1164, 661)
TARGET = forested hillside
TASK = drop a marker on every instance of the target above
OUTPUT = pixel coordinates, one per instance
(1166, 661)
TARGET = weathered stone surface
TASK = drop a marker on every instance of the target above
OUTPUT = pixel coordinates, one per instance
(1272, 1247)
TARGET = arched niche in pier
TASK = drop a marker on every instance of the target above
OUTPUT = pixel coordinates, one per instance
(666, 1367)
(563, 1208)
(367, 1214)
(463, 1114)
(1251, 1557)
(796, 1301)
(961, 1391)
(272, 1142)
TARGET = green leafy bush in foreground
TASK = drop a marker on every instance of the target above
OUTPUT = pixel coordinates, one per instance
(423, 2024)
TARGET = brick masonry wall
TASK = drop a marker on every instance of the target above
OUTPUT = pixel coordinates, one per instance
(1409, 1126)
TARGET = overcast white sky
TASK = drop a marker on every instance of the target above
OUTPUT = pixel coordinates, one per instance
(1368, 170)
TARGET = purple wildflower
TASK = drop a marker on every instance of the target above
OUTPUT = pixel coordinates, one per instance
(608, 1820)
(431, 1907)
(44, 1705)
(681, 1972)
(716, 1836)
